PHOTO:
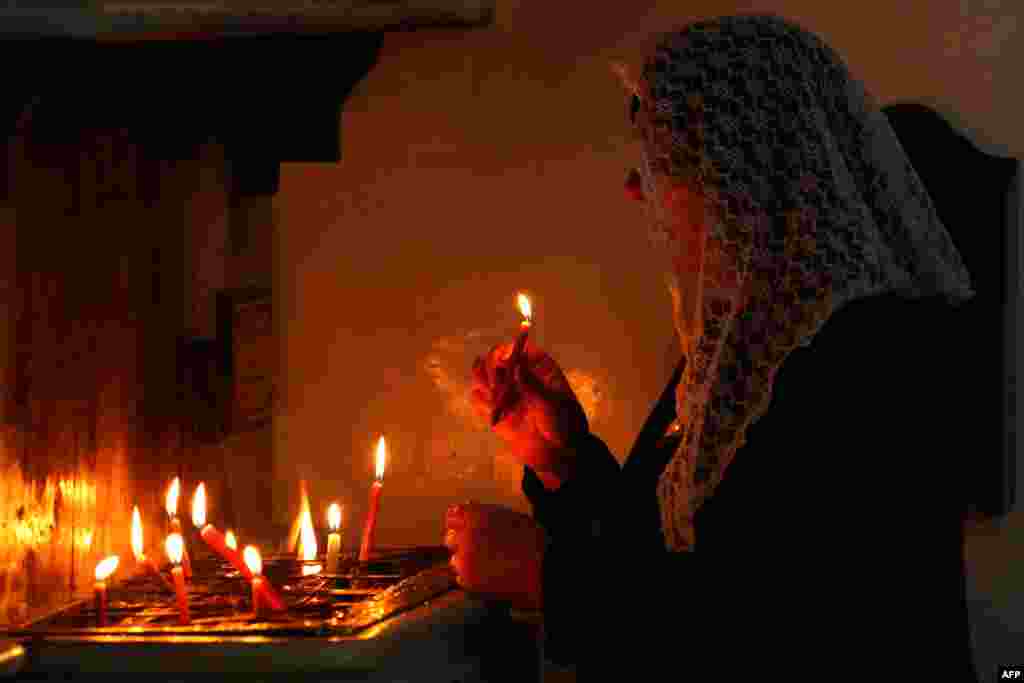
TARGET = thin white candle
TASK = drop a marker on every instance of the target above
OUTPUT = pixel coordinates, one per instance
(333, 537)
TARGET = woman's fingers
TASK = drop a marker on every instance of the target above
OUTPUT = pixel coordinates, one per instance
(534, 391)
(553, 413)
(480, 372)
(497, 368)
(480, 400)
(455, 530)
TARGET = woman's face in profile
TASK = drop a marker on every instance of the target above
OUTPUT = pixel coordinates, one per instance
(697, 252)
(700, 268)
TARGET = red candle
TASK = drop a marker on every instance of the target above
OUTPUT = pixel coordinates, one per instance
(505, 395)
(214, 538)
(103, 571)
(366, 547)
(271, 600)
(172, 513)
(218, 543)
(264, 597)
(175, 551)
(186, 562)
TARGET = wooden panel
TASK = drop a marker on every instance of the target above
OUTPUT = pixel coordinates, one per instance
(97, 410)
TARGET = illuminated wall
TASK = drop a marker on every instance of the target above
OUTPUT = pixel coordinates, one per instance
(482, 163)
(97, 413)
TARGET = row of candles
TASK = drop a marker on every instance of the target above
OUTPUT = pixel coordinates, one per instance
(249, 562)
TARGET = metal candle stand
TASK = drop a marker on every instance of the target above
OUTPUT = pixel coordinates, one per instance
(220, 601)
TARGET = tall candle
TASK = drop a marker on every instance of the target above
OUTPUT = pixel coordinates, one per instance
(175, 551)
(264, 597)
(307, 543)
(214, 538)
(140, 557)
(505, 395)
(103, 571)
(255, 564)
(172, 512)
(366, 547)
(333, 537)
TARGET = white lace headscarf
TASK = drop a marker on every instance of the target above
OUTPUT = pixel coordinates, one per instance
(780, 193)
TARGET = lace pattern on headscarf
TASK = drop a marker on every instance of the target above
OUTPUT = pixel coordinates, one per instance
(805, 195)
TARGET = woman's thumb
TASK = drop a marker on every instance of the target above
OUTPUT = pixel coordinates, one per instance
(553, 414)
(535, 392)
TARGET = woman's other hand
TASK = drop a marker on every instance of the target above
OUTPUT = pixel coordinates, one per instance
(543, 420)
(496, 552)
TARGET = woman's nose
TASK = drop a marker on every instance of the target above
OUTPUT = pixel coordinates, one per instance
(634, 185)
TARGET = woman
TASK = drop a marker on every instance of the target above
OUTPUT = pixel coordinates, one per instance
(792, 502)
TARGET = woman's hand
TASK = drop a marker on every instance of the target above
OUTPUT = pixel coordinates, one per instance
(496, 552)
(544, 420)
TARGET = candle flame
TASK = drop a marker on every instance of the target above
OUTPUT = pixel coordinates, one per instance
(175, 546)
(382, 457)
(199, 506)
(172, 498)
(230, 540)
(105, 568)
(525, 308)
(294, 536)
(307, 537)
(137, 534)
(334, 517)
(311, 569)
(253, 560)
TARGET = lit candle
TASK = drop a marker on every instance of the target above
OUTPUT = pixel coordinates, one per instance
(176, 551)
(137, 550)
(366, 547)
(172, 513)
(295, 535)
(333, 537)
(230, 540)
(307, 542)
(255, 564)
(214, 538)
(504, 394)
(264, 597)
(103, 571)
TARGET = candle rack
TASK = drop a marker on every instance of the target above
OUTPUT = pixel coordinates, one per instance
(392, 618)
(220, 600)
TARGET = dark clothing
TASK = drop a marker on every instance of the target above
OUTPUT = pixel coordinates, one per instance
(834, 540)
